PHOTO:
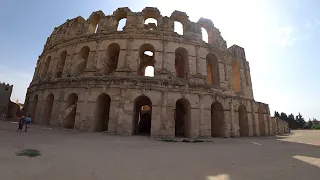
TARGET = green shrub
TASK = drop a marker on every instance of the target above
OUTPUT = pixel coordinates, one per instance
(316, 126)
(29, 153)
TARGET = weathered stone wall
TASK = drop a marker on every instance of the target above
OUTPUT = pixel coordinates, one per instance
(279, 126)
(91, 58)
(5, 94)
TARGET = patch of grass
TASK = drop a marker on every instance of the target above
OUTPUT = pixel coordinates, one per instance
(29, 153)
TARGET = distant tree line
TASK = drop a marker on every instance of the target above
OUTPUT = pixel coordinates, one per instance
(298, 122)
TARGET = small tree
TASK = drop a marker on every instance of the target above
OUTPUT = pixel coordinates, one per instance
(276, 114)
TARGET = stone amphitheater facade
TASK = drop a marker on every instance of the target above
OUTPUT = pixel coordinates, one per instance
(91, 77)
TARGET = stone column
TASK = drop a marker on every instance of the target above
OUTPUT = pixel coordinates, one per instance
(113, 116)
(96, 58)
(68, 65)
(254, 120)
(164, 126)
(197, 60)
(201, 120)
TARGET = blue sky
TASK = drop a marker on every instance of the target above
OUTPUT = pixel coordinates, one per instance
(281, 40)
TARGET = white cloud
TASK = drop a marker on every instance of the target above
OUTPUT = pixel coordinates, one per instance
(286, 36)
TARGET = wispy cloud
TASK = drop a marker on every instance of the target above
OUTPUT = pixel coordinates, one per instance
(286, 36)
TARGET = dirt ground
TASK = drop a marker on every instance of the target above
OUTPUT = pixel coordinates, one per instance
(67, 154)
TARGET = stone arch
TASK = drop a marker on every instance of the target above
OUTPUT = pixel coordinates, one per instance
(102, 111)
(181, 62)
(243, 120)
(151, 15)
(236, 76)
(48, 109)
(182, 117)
(217, 120)
(146, 56)
(34, 107)
(94, 23)
(112, 58)
(46, 66)
(142, 116)
(213, 70)
(121, 18)
(70, 112)
(208, 26)
(262, 125)
(179, 17)
(82, 62)
(61, 63)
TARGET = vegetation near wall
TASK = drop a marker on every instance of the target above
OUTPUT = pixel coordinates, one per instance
(298, 122)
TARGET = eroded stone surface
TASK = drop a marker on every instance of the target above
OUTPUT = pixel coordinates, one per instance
(90, 76)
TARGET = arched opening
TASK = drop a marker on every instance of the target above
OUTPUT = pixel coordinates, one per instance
(236, 76)
(217, 120)
(82, 62)
(48, 109)
(61, 63)
(112, 57)
(178, 27)
(181, 62)
(142, 115)
(182, 118)
(262, 125)
(34, 107)
(121, 24)
(101, 117)
(46, 67)
(146, 54)
(151, 21)
(94, 23)
(70, 112)
(243, 121)
(212, 70)
(149, 71)
(204, 33)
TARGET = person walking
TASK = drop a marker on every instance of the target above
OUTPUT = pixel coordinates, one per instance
(21, 122)
(27, 121)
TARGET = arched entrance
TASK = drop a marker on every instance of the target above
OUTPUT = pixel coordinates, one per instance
(262, 126)
(48, 109)
(243, 121)
(182, 118)
(34, 107)
(70, 112)
(142, 115)
(101, 117)
(217, 120)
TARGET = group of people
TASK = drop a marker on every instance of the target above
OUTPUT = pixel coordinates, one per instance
(24, 121)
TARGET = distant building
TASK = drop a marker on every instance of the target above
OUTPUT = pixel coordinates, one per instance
(5, 94)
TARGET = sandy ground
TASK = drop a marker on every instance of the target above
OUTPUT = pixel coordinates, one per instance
(71, 155)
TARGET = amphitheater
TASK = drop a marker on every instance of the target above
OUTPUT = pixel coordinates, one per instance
(91, 76)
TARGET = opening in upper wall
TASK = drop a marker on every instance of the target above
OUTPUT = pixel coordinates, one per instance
(121, 24)
(178, 27)
(204, 33)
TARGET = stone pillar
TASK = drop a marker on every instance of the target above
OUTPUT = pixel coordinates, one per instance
(194, 122)
(164, 125)
(201, 120)
(156, 120)
(113, 116)
(197, 60)
(164, 56)
(68, 65)
(96, 56)
(125, 109)
(255, 125)
(228, 116)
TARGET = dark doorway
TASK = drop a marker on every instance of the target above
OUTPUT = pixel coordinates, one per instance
(182, 118)
(142, 116)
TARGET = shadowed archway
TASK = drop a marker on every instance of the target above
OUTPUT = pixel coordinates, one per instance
(217, 120)
(142, 116)
(48, 109)
(182, 118)
(70, 111)
(243, 121)
(102, 110)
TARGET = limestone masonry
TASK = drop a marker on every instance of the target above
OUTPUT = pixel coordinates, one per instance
(92, 77)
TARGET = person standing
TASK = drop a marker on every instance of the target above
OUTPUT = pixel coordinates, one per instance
(27, 121)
